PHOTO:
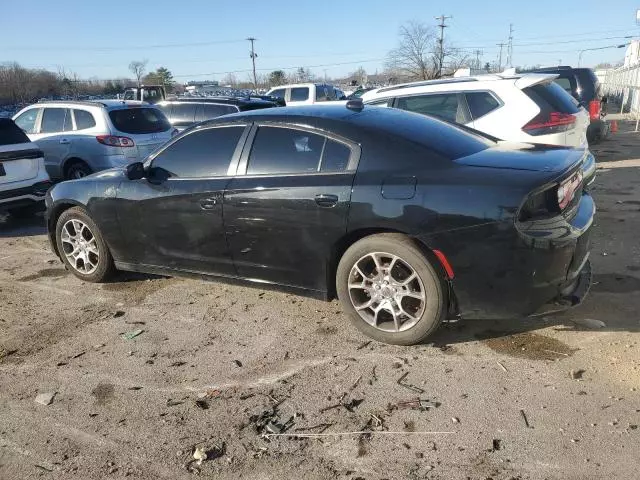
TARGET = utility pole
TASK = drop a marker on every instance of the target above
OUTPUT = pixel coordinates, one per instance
(510, 48)
(478, 53)
(443, 18)
(253, 56)
(501, 45)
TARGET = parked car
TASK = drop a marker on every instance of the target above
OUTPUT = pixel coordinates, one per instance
(145, 93)
(518, 108)
(184, 112)
(23, 178)
(409, 219)
(584, 86)
(79, 138)
(304, 93)
(358, 93)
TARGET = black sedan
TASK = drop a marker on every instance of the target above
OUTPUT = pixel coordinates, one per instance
(407, 219)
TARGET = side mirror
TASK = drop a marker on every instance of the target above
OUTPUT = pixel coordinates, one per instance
(135, 171)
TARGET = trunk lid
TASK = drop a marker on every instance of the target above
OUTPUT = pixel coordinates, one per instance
(19, 162)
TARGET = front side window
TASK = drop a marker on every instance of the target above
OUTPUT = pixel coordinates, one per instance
(321, 93)
(481, 103)
(278, 150)
(208, 111)
(53, 120)
(445, 106)
(386, 102)
(84, 119)
(139, 120)
(299, 94)
(201, 154)
(27, 120)
(279, 93)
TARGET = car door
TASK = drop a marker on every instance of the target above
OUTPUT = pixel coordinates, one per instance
(173, 218)
(449, 106)
(288, 205)
(53, 138)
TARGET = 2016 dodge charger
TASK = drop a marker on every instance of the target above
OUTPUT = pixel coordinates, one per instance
(409, 220)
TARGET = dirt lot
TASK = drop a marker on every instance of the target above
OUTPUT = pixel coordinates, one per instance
(547, 398)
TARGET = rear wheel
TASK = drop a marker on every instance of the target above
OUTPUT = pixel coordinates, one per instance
(81, 246)
(78, 169)
(390, 290)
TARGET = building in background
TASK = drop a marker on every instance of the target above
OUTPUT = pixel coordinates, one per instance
(632, 55)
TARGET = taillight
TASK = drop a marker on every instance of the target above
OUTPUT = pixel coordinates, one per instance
(568, 188)
(554, 122)
(594, 109)
(114, 141)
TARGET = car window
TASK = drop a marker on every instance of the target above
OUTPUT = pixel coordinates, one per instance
(481, 103)
(10, 133)
(68, 121)
(565, 83)
(299, 94)
(203, 153)
(183, 114)
(129, 95)
(278, 150)
(84, 119)
(27, 120)
(139, 120)
(445, 106)
(207, 111)
(335, 157)
(387, 102)
(53, 120)
(322, 93)
(279, 93)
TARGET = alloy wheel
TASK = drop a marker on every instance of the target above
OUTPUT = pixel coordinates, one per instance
(80, 246)
(386, 292)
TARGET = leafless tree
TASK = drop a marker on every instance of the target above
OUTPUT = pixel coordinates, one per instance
(416, 53)
(229, 79)
(360, 76)
(138, 68)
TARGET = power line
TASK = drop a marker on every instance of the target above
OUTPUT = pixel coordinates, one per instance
(555, 43)
(443, 18)
(128, 47)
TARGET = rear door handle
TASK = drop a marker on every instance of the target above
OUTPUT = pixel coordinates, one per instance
(326, 200)
(64, 141)
(208, 203)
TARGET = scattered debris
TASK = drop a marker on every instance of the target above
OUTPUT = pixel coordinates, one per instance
(400, 382)
(178, 364)
(45, 398)
(203, 404)
(355, 384)
(589, 323)
(321, 426)
(502, 366)
(269, 423)
(132, 335)
(354, 403)
(342, 434)
(46, 468)
(556, 353)
(61, 364)
(497, 445)
(238, 363)
(455, 419)
(576, 374)
(363, 345)
(200, 455)
(524, 417)
(78, 355)
(135, 322)
(415, 404)
(173, 403)
(211, 393)
(118, 314)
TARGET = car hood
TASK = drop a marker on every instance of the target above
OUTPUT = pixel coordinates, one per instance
(110, 174)
(525, 156)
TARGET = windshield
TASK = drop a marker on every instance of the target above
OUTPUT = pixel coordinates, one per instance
(139, 120)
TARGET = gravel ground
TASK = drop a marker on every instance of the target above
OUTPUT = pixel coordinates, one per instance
(214, 366)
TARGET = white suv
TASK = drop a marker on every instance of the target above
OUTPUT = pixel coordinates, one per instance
(519, 108)
(79, 138)
(23, 178)
(304, 93)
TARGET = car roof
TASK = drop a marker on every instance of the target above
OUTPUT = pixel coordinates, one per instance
(220, 99)
(293, 85)
(109, 104)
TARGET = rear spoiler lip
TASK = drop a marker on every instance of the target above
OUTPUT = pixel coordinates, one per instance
(531, 79)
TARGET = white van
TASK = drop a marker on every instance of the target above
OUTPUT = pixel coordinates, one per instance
(304, 93)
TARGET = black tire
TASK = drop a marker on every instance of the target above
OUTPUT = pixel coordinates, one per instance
(412, 256)
(77, 169)
(104, 267)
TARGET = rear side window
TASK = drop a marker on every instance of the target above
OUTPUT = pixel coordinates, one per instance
(481, 103)
(27, 120)
(446, 106)
(335, 157)
(56, 120)
(203, 153)
(207, 111)
(10, 133)
(279, 93)
(322, 93)
(183, 114)
(550, 97)
(139, 120)
(299, 94)
(84, 119)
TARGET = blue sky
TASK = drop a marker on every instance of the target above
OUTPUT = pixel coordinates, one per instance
(99, 39)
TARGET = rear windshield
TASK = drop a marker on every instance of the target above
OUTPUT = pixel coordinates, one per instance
(10, 133)
(139, 120)
(551, 97)
(589, 85)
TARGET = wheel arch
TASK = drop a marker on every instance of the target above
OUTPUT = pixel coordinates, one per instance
(52, 220)
(70, 161)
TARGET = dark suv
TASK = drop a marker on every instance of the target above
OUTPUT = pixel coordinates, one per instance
(184, 112)
(584, 86)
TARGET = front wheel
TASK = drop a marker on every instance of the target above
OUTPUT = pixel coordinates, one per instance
(81, 246)
(78, 170)
(390, 289)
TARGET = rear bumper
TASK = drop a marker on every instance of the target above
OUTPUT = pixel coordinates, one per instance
(24, 196)
(572, 294)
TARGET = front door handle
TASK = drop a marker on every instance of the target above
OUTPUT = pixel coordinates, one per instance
(326, 200)
(208, 203)
(64, 141)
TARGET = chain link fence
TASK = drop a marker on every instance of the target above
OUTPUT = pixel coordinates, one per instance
(622, 87)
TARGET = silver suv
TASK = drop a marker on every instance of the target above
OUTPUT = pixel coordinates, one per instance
(79, 138)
